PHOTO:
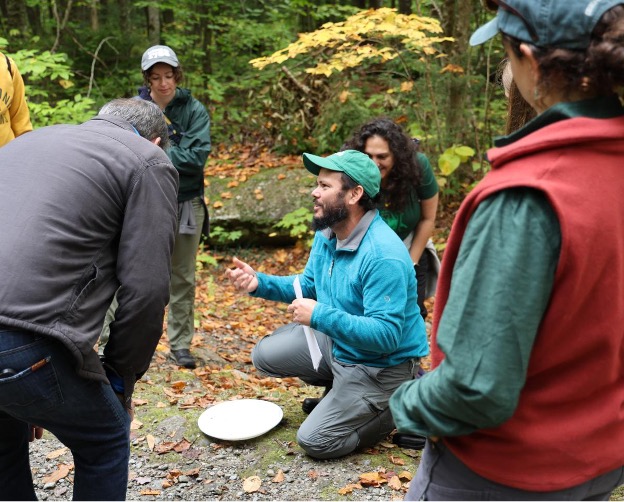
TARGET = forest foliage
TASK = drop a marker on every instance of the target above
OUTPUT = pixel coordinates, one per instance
(287, 75)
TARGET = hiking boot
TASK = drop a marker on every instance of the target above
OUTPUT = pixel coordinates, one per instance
(184, 358)
(309, 403)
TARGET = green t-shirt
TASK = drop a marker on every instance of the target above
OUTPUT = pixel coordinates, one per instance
(405, 221)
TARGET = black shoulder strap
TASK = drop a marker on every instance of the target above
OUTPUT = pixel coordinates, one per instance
(9, 65)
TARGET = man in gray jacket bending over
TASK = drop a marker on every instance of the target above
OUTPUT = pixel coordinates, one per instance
(85, 210)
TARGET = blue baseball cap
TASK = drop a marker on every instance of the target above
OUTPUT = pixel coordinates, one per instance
(356, 165)
(567, 24)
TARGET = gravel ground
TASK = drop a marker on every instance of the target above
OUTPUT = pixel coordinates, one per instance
(215, 471)
(171, 459)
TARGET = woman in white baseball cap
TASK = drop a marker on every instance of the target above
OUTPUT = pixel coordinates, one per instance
(189, 132)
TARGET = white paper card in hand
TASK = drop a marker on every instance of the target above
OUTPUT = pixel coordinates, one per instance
(313, 346)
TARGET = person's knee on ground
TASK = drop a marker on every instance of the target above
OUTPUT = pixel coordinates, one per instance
(323, 446)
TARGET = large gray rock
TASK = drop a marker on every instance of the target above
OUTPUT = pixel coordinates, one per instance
(258, 203)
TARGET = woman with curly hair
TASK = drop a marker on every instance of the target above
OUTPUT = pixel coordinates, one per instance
(408, 197)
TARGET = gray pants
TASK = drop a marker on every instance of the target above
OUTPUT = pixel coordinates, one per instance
(354, 414)
(442, 476)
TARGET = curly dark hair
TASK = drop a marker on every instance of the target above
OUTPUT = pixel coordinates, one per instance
(405, 176)
(598, 69)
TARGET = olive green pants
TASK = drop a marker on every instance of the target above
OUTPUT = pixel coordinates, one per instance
(181, 312)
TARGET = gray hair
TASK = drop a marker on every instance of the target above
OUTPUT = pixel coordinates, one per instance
(144, 116)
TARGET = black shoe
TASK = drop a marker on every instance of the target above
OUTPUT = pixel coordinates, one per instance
(409, 441)
(184, 358)
(309, 403)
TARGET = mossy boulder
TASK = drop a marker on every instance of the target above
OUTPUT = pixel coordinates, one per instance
(254, 204)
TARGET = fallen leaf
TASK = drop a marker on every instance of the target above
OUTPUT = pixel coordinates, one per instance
(140, 402)
(372, 479)
(60, 473)
(174, 474)
(179, 385)
(395, 483)
(281, 176)
(151, 442)
(56, 453)
(313, 474)
(396, 460)
(217, 204)
(150, 492)
(279, 477)
(182, 446)
(349, 488)
(136, 425)
(406, 475)
(166, 483)
(252, 484)
(164, 447)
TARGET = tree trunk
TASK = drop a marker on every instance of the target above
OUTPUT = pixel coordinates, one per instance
(206, 40)
(457, 25)
(34, 19)
(153, 25)
(124, 16)
(405, 6)
(16, 19)
(168, 16)
(95, 20)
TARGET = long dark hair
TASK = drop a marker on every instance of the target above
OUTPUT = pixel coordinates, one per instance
(405, 175)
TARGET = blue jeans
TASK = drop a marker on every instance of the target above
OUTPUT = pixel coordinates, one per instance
(83, 414)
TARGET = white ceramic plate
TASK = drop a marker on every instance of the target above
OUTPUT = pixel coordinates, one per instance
(239, 420)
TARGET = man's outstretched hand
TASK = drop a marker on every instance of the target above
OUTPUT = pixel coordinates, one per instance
(242, 276)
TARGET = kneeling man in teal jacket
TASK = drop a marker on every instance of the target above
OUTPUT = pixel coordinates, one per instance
(356, 327)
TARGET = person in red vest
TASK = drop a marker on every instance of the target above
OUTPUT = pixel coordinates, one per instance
(526, 397)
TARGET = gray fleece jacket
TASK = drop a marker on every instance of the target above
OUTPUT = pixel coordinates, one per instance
(85, 210)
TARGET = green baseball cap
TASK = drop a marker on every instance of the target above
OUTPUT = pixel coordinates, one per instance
(356, 165)
(567, 24)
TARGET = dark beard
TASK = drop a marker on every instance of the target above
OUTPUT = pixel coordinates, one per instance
(334, 214)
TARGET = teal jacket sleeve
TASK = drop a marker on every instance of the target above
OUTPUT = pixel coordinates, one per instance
(501, 285)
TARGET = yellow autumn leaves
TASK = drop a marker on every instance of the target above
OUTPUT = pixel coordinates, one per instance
(371, 34)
